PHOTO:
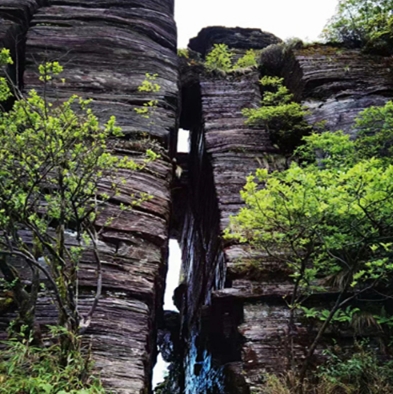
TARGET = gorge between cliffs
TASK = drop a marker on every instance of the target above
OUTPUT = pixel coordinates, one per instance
(232, 324)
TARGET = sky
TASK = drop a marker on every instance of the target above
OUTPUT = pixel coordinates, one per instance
(303, 19)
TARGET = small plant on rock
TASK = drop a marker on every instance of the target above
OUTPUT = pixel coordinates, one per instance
(248, 60)
(183, 52)
(279, 114)
(219, 58)
(148, 85)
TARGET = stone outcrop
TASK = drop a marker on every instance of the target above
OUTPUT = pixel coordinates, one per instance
(337, 83)
(235, 38)
(223, 151)
(235, 321)
(106, 48)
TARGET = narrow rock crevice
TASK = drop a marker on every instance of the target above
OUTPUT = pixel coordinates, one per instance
(232, 323)
(233, 317)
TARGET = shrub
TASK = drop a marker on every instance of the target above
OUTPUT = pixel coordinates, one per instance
(273, 58)
(183, 52)
(375, 132)
(25, 368)
(282, 117)
(219, 58)
(359, 373)
(328, 220)
(248, 60)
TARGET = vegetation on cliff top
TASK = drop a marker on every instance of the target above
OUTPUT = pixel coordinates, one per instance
(220, 58)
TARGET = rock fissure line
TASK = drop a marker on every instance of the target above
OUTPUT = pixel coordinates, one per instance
(233, 320)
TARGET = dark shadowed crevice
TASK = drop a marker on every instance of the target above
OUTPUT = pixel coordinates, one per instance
(205, 340)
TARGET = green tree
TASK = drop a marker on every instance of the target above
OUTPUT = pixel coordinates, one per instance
(53, 156)
(372, 144)
(328, 216)
(360, 22)
(59, 168)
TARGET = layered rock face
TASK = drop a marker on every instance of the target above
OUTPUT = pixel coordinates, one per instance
(223, 152)
(106, 48)
(235, 321)
(336, 83)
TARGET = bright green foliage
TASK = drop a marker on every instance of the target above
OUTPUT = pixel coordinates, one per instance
(5, 59)
(376, 144)
(248, 60)
(360, 21)
(329, 150)
(344, 373)
(59, 167)
(48, 70)
(52, 157)
(331, 215)
(148, 85)
(279, 114)
(25, 368)
(219, 58)
(183, 52)
(328, 219)
(342, 315)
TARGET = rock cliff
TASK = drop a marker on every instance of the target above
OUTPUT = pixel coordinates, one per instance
(233, 322)
(106, 48)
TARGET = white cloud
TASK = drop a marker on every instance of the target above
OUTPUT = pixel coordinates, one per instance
(304, 19)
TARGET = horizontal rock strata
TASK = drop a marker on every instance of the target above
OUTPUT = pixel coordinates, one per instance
(223, 146)
(106, 48)
(336, 84)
